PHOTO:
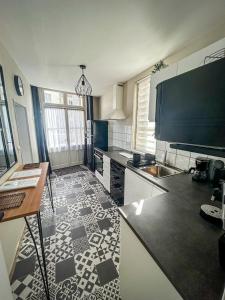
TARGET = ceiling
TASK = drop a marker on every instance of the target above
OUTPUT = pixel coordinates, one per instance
(116, 39)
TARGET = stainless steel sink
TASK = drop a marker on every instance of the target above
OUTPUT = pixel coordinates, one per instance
(160, 171)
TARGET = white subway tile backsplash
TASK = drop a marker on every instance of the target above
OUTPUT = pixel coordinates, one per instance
(184, 153)
(120, 135)
(171, 150)
(160, 155)
(195, 155)
(161, 145)
(182, 162)
(171, 159)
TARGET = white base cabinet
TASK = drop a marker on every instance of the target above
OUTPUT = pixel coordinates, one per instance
(137, 188)
(106, 172)
(140, 276)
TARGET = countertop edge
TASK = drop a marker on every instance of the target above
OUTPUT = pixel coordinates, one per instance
(149, 251)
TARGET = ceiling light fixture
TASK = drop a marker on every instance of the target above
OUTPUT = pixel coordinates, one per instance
(83, 87)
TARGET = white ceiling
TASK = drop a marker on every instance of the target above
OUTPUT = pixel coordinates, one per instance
(117, 39)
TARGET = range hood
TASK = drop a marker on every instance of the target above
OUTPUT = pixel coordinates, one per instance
(117, 98)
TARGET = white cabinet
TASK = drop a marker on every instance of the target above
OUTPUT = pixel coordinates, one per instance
(156, 78)
(106, 172)
(140, 276)
(137, 188)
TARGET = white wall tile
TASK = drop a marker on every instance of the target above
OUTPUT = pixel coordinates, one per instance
(195, 155)
(168, 149)
(171, 159)
(182, 162)
(184, 153)
(160, 155)
(161, 145)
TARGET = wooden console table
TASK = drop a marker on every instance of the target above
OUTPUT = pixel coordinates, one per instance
(31, 206)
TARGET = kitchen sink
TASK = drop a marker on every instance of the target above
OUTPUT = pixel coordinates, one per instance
(160, 170)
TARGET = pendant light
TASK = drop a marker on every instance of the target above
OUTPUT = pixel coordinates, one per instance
(83, 87)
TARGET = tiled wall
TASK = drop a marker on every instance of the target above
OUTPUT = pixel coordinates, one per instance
(119, 135)
(178, 158)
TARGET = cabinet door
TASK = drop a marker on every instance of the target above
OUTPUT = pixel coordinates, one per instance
(106, 172)
(156, 78)
(136, 187)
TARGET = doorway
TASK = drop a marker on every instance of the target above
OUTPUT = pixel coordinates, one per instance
(64, 127)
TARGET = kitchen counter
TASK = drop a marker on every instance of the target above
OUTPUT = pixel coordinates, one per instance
(113, 153)
(184, 245)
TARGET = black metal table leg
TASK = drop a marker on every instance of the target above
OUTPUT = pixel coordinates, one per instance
(39, 260)
(49, 185)
(43, 251)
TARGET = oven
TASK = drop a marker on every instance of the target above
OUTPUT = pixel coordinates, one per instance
(117, 172)
(98, 158)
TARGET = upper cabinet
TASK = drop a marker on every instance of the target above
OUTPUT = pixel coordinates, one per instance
(189, 63)
(156, 78)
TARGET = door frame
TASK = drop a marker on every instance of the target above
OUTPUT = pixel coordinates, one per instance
(66, 108)
(23, 106)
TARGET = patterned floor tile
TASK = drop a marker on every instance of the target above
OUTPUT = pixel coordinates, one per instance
(81, 241)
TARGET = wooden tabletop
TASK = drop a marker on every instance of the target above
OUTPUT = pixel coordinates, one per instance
(32, 201)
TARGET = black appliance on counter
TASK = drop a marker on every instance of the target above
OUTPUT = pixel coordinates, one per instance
(117, 172)
(96, 136)
(190, 108)
(142, 160)
(201, 171)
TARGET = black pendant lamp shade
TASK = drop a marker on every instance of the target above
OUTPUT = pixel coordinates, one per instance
(83, 87)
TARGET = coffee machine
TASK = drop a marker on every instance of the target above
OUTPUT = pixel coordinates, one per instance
(201, 171)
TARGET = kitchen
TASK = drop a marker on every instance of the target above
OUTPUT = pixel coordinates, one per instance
(112, 143)
(159, 202)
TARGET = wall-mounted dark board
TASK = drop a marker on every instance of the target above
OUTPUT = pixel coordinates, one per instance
(199, 149)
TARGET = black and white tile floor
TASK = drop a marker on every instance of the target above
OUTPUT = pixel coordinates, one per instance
(81, 243)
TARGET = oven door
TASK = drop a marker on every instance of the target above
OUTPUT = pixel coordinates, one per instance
(98, 163)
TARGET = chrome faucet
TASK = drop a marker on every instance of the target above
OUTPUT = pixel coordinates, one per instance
(164, 159)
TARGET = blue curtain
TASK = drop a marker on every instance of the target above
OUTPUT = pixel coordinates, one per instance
(40, 135)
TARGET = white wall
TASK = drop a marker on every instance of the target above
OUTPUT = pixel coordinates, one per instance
(10, 232)
(118, 129)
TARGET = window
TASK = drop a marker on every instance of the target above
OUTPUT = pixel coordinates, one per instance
(74, 100)
(64, 122)
(53, 97)
(55, 124)
(144, 130)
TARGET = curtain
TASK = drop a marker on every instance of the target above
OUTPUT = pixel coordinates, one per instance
(76, 129)
(41, 141)
(56, 129)
(55, 124)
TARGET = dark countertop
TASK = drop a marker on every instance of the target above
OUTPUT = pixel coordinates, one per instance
(113, 153)
(183, 244)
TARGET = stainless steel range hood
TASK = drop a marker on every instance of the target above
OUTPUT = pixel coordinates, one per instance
(117, 98)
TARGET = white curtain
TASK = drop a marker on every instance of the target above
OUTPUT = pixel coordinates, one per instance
(55, 124)
(56, 129)
(76, 129)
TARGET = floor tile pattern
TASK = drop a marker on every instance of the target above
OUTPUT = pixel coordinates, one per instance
(81, 242)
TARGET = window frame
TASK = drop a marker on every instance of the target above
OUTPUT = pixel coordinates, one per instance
(64, 106)
(135, 112)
